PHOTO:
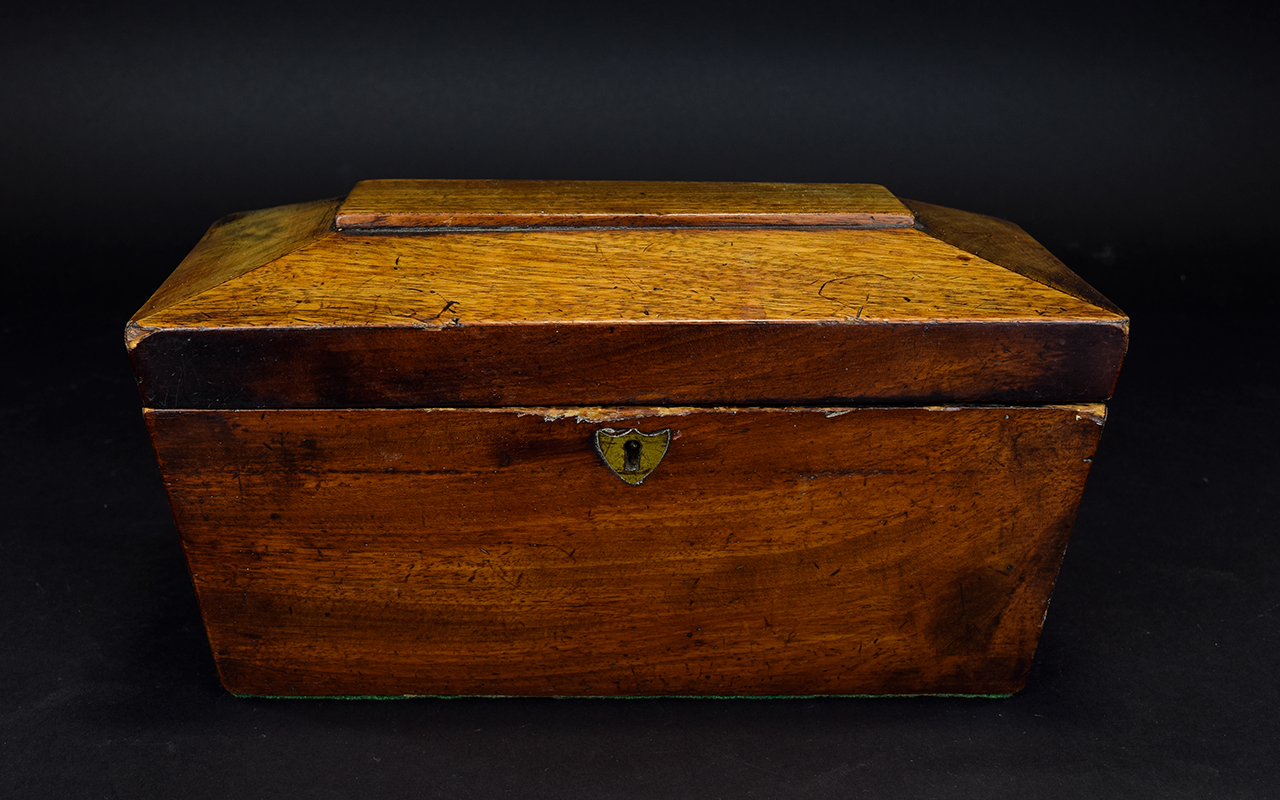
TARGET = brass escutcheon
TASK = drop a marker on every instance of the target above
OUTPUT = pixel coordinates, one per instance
(630, 454)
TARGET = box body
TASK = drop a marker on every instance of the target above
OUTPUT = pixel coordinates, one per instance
(861, 504)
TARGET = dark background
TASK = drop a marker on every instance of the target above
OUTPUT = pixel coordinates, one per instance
(1140, 147)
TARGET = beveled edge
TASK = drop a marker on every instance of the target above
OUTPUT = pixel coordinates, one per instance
(1007, 245)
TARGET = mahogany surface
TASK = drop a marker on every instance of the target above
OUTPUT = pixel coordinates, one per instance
(773, 551)
(276, 308)
(376, 418)
(603, 364)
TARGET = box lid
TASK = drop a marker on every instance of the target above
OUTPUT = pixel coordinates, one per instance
(570, 293)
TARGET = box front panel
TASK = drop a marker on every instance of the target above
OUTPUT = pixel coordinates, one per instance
(495, 552)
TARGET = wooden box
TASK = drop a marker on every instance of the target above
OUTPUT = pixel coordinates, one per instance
(623, 439)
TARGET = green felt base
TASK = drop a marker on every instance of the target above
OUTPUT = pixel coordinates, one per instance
(601, 697)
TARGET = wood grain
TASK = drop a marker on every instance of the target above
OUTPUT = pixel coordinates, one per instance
(534, 316)
(1001, 242)
(376, 425)
(774, 551)
(642, 364)
(607, 317)
(645, 276)
(532, 204)
(237, 244)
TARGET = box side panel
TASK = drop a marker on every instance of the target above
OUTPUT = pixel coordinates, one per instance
(782, 551)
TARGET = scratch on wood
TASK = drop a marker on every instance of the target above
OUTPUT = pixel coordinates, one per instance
(448, 305)
(824, 286)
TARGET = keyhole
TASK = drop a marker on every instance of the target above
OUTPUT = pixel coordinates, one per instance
(631, 456)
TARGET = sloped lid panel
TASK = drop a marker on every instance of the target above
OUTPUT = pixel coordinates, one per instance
(761, 311)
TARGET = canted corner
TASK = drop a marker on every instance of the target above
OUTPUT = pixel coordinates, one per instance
(1006, 245)
(238, 244)
(134, 334)
(1092, 412)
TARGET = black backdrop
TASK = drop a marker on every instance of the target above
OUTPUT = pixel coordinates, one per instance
(1138, 146)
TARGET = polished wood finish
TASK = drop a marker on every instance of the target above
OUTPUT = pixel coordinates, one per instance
(846, 276)
(773, 551)
(237, 244)
(535, 204)
(599, 364)
(635, 316)
(1001, 242)
(376, 419)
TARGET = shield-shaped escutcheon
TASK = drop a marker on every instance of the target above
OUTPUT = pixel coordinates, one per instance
(630, 454)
